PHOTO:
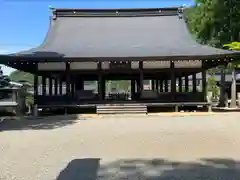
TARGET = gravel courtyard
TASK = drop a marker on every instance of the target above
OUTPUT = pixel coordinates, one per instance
(137, 147)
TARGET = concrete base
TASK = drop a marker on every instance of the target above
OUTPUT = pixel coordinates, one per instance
(210, 108)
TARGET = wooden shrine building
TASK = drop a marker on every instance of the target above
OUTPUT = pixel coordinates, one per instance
(118, 44)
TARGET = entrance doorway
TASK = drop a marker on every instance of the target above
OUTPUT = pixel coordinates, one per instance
(118, 90)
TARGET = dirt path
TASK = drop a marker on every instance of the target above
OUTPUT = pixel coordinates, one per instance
(140, 147)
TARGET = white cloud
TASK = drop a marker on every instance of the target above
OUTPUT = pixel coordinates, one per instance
(6, 70)
(4, 51)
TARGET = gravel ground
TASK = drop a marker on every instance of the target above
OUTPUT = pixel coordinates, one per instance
(138, 147)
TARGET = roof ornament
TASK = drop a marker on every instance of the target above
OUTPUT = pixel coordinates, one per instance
(54, 16)
(180, 12)
(50, 7)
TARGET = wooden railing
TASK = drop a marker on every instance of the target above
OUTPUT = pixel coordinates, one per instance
(163, 97)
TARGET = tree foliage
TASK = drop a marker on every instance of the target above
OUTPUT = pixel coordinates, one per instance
(212, 87)
(21, 76)
(4, 80)
(235, 46)
(215, 22)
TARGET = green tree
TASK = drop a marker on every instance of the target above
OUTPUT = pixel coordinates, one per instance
(215, 22)
(235, 46)
(21, 76)
(212, 87)
(4, 82)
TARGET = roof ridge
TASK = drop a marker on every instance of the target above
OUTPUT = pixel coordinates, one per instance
(170, 11)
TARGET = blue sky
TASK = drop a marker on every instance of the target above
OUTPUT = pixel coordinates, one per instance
(24, 23)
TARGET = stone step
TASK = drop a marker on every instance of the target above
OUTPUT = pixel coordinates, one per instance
(121, 112)
(121, 105)
(121, 109)
(128, 109)
(116, 112)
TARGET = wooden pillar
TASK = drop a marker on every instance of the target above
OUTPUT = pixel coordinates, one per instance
(81, 84)
(67, 78)
(101, 87)
(101, 83)
(152, 84)
(43, 85)
(204, 85)
(50, 86)
(72, 87)
(222, 88)
(60, 86)
(138, 85)
(180, 84)
(173, 80)
(35, 105)
(141, 76)
(35, 86)
(194, 82)
(165, 85)
(157, 85)
(133, 90)
(186, 83)
(161, 85)
(55, 86)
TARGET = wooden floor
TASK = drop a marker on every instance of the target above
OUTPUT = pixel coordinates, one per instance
(117, 103)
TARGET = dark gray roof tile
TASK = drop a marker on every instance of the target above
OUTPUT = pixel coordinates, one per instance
(121, 36)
